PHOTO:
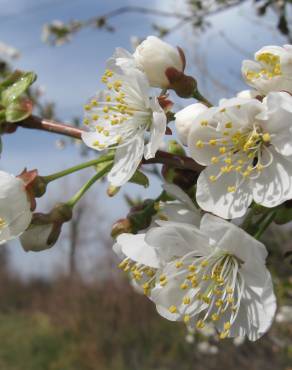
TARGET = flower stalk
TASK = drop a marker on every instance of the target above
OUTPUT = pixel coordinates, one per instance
(100, 174)
(81, 166)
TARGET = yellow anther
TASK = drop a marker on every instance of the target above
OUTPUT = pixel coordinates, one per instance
(163, 282)
(200, 324)
(266, 137)
(231, 189)
(87, 107)
(192, 268)
(213, 142)
(172, 309)
(162, 277)
(214, 160)
(109, 86)
(227, 326)
(117, 84)
(228, 160)
(224, 334)
(215, 317)
(206, 277)
(219, 303)
(204, 123)
(206, 299)
(229, 290)
(106, 109)
(222, 150)
(86, 121)
(95, 117)
(94, 103)
(106, 132)
(178, 264)
(184, 286)
(186, 300)
(204, 263)
(108, 98)
(230, 299)
(212, 178)
(228, 125)
(199, 144)
(238, 168)
(187, 318)
(109, 73)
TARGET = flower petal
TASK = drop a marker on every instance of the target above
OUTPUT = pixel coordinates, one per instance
(136, 248)
(127, 160)
(213, 196)
(177, 239)
(274, 185)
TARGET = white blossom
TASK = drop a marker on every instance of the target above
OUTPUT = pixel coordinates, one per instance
(153, 56)
(138, 257)
(216, 274)
(185, 118)
(15, 213)
(247, 148)
(119, 117)
(271, 70)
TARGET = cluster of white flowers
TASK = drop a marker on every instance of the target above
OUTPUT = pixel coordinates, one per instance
(192, 262)
(195, 266)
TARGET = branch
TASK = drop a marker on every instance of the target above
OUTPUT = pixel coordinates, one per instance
(177, 161)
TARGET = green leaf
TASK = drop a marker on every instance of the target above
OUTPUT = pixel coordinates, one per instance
(140, 178)
(18, 110)
(18, 87)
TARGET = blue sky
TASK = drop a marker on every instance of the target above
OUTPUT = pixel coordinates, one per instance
(71, 73)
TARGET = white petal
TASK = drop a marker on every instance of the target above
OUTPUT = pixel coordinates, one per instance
(127, 160)
(213, 196)
(233, 239)
(136, 248)
(157, 132)
(274, 185)
(277, 121)
(185, 119)
(177, 239)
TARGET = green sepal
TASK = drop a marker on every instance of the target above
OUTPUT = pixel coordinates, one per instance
(140, 178)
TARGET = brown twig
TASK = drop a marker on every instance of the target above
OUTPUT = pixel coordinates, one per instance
(176, 161)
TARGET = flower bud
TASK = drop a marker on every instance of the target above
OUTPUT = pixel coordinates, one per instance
(45, 229)
(112, 190)
(183, 85)
(37, 238)
(155, 56)
(185, 118)
(121, 226)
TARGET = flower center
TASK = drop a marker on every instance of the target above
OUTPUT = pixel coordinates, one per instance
(271, 67)
(109, 112)
(239, 151)
(213, 289)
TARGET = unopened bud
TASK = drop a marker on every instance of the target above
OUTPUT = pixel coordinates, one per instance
(61, 213)
(37, 238)
(121, 226)
(183, 85)
(112, 190)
